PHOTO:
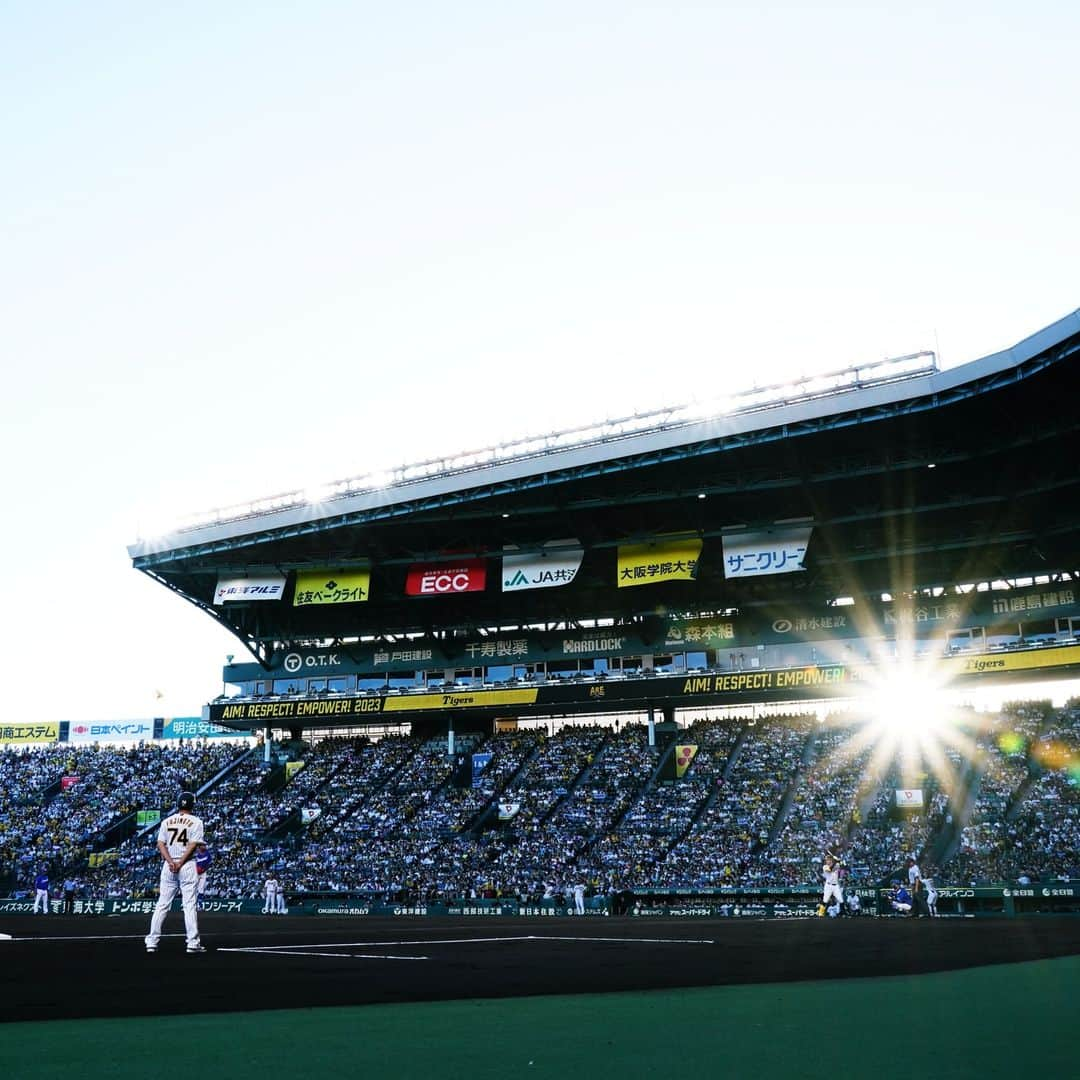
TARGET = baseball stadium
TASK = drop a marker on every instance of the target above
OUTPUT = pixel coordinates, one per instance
(654, 746)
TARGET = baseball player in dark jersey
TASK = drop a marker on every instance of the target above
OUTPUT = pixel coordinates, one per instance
(178, 840)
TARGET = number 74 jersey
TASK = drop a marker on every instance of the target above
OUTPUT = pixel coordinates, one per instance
(178, 831)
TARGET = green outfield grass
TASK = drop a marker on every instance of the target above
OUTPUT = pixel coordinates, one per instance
(983, 1022)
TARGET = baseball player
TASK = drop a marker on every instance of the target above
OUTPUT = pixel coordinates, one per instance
(270, 894)
(900, 899)
(830, 871)
(915, 886)
(279, 897)
(931, 896)
(178, 839)
(579, 899)
(41, 893)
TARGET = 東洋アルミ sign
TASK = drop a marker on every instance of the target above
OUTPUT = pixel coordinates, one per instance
(242, 589)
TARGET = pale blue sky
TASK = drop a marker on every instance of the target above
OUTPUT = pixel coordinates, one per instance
(250, 249)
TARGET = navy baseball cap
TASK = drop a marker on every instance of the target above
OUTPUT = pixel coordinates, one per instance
(187, 800)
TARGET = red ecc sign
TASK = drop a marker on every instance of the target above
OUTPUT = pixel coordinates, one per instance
(440, 579)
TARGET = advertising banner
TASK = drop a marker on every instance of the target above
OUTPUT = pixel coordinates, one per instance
(557, 564)
(146, 817)
(479, 763)
(461, 699)
(987, 663)
(111, 731)
(193, 727)
(269, 712)
(262, 587)
(444, 578)
(29, 733)
(661, 560)
(350, 586)
(67, 782)
(909, 799)
(683, 756)
(779, 550)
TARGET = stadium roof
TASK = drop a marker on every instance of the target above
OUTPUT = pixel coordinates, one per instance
(911, 477)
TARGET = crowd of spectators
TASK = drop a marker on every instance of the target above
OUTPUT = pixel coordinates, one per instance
(824, 806)
(727, 843)
(525, 813)
(1025, 821)
(57, 803)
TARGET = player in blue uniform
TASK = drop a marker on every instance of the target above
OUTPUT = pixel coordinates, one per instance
(41, 894)
(900, 900)
(203, 859)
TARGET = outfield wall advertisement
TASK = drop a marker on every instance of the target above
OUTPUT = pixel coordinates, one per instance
(29, 733)
(796, 902)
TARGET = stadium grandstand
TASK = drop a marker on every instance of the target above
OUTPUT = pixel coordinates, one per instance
(681, 653)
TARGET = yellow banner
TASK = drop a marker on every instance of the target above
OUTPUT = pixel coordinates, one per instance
(460, 699)
(683, 756)
(331, 587)
(662, 560)
(292, 768)
(29, 733)
(987, 663)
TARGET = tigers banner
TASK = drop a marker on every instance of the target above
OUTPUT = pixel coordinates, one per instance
(350, 586)
(683, 756)
(659, 560)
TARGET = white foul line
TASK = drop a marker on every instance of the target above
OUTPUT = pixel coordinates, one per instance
(88, 937)
(304, 950)
(473, 941)
(278, 951)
